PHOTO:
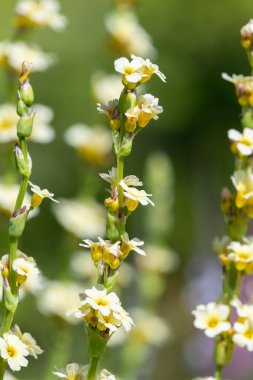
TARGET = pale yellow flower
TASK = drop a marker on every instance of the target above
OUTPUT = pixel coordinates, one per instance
(39, 13)
(213, 318)
(73, 372)
(149, 109)
(39, 194)
(134, 194)
(25, 266)
(30, 343)
(13, 350)
(106, 375)
(243, 182)
(242, 143)
(241, 253)
(243, 336)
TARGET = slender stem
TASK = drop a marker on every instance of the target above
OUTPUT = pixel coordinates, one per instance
(218, 372)
(7, 321)
(13, 246)
(93, 369)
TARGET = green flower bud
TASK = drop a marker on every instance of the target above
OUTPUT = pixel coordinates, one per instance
(17, 223)
(25, 125)
(110, 282)
(224, 352)
(127, 100)
(126, 145)
(9, 300)
(26, 93)
(247, 119)
(114, 228)
(96, 343)
(22, 109)
(23, 167)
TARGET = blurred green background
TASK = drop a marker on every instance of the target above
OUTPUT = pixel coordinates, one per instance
(196, 42)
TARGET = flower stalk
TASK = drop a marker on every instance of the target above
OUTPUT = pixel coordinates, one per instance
(235, 250)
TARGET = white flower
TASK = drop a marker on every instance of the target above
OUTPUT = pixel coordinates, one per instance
(30, 343)
(81, 218)
(106, 87)
(128, 35)
(133, 245)
(243, 310)
(42, 131)
(58, 297)
(241, 253)
(106, 375)
(148, 69)
(243, 336)
(242, 142)
(129, 70)
(94, 144)
(13, 350)
(25, 266)
(40, 13)
(98, 299)
(243, 182)
(136, 195)
(13, 54)
(148, 109)
(213, 318)
(111, 177)
(247, 30)
(73, 372)
(124, 318)
(39, 194)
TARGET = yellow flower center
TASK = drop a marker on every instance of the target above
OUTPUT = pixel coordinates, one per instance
(102, 302)
(11, 351)
(243, 255)
(248, 334)
(213, 321)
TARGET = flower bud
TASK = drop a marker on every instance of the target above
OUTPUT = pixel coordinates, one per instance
(111, 204)
(247, 119)
(223, 352)
(17, 223)
(26, 93)
(9, 300)
(126, 145)
(114, 228)
(25, 125)
(127, 100)
(115, 263)
(115, 124)
(22, 109)
(24, 167)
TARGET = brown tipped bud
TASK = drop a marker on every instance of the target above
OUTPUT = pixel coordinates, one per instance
(25, 71)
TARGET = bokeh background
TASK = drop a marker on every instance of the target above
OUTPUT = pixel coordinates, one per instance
(183, 158)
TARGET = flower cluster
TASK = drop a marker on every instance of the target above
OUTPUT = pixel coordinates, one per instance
(214, 319)
(235, 250)
(102, 311)
(15, 347)
(104, 252)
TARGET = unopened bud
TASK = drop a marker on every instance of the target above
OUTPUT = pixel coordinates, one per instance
(127, 100)
(25, 125)
(115, 264)
(22, 109)
(26, 93)
(24, 166)
(126, 145)
(17, 223)
(111, 204)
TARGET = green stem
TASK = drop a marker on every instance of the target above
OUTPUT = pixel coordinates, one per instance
(7, 321)
(13, 246)
(218, 372)
(2, 368)
(93, 369)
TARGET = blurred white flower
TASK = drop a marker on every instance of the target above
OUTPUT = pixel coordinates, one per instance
(73, 372)
(127, 34)
(30, 343)
(57, 298)
(39, 13)
(8, 376)
(106, 375)
(106, 87)
(242, 143)
(13, 350)
(243, 182)
(42, 131)
(149, 329)
(13, 54)
(213, 318)
(243, 336)
(241, 253)
(158, 259)
(85, 218)
(243, 310)
(94, 144)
